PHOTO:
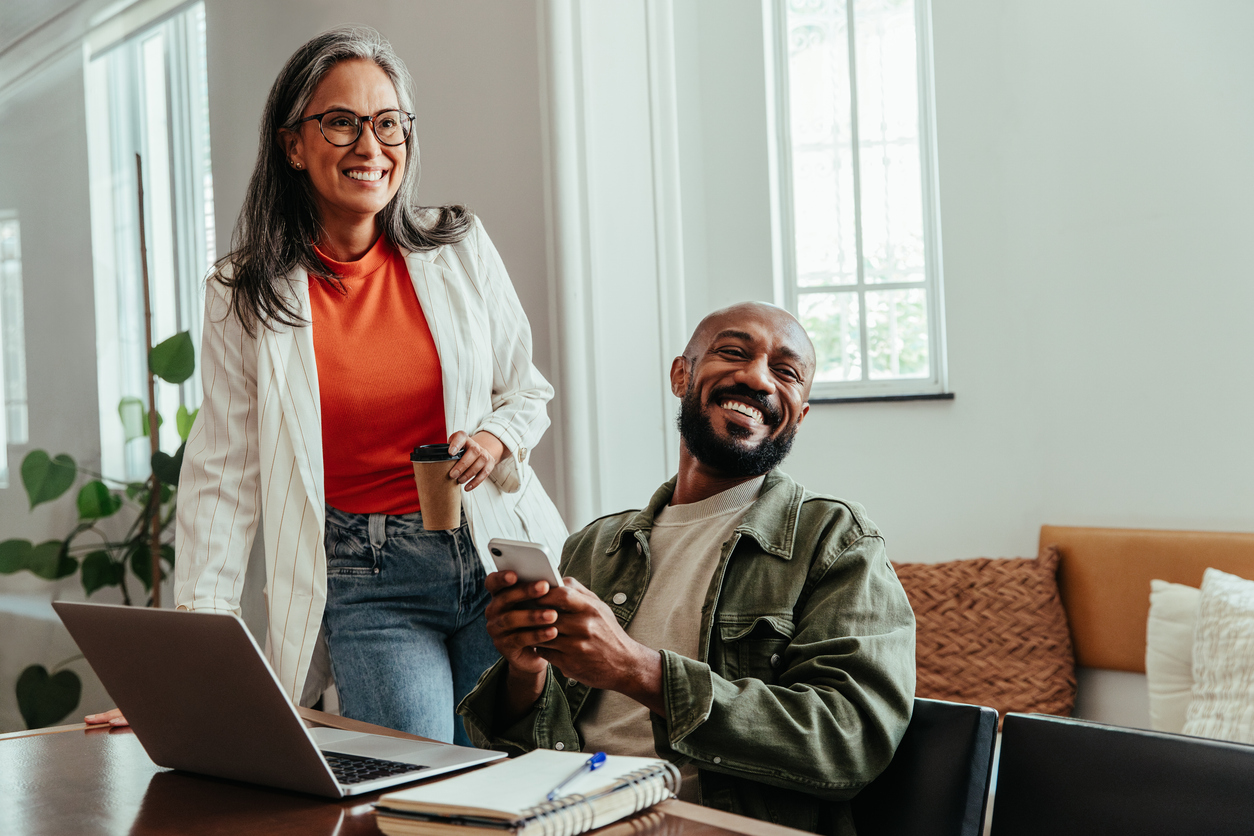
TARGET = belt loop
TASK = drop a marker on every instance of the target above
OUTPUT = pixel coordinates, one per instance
(377, 528)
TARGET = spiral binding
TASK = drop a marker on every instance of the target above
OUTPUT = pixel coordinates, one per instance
(575, 813)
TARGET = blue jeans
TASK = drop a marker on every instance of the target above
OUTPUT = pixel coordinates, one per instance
(404, 621)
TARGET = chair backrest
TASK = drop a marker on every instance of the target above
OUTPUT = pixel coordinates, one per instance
(937, 782)
(1057, 775)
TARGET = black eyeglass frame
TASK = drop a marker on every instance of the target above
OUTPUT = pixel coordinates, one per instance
(360, 120)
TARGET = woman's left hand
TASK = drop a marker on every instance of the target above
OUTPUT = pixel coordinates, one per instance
(481, 453)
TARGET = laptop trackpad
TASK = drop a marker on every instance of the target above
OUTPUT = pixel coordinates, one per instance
(376, 746)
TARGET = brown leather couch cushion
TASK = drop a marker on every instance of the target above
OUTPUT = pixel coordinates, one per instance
(1105, 581)
(992, 632)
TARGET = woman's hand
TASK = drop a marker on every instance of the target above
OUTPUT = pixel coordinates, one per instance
(112, 717)
(481, 453)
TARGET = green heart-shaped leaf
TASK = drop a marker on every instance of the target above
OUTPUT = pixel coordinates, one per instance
(134, 417)
(46, 479)
(43, 699)
(184, 420)
(95, 501)
(131, 411)
(49, 561)
(99, 571)
(14, 555)
(173, 360)
(167, 467)
(141, 562)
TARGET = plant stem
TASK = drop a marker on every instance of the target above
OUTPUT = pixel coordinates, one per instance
(101, 476)
(65, 662)
(154, 506)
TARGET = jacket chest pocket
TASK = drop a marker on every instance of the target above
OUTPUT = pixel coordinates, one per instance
(756, 648)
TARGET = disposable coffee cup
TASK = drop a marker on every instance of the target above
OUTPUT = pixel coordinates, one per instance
(439, 495)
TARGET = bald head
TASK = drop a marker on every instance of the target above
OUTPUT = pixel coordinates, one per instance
(782, 325)
(744, 387)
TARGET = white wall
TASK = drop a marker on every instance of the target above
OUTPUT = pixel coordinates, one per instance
(1095, 196)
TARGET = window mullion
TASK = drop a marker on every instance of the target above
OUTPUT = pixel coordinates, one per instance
(855, 155)
(837, 288)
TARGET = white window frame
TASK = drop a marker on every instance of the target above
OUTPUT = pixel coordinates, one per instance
(13, 416)
(937, 385)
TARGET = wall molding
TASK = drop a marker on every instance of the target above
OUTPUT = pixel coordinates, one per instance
(570, 290)
(616, 267)
(93, 26)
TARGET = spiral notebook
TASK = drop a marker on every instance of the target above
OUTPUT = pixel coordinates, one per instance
(510, 796)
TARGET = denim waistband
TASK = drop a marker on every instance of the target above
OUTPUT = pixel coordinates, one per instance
(377, 524)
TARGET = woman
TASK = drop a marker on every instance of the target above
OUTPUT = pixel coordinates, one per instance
(348, 326)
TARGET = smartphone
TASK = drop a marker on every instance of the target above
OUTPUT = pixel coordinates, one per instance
(530, 561)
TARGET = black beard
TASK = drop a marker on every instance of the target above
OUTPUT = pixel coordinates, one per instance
(732, 457)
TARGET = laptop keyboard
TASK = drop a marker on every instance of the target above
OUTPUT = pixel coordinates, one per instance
(356, 769)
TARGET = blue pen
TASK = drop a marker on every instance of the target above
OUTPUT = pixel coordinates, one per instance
(594, 762)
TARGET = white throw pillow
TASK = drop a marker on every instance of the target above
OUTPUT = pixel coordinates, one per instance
(1223, 660)
(1169, 653)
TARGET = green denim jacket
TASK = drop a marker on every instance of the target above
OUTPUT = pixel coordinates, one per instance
(804, 679)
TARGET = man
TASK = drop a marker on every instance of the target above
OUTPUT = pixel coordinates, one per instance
(748, 630)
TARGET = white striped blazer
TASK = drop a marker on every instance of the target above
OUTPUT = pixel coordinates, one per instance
(255, 450)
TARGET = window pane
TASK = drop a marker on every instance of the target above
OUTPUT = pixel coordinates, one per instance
(896, 331)
(13, 333)
(888, 140)
(148, 95)
(13, 425)
(822, 143)
(832, 322)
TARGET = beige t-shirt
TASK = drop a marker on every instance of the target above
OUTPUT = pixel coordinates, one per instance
(684, 549)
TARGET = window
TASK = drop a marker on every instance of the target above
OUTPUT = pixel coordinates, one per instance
(13, 427)
(857, 211)
(148, 94)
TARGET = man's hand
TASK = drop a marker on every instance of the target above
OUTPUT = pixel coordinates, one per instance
(590, 647)
(516, 625)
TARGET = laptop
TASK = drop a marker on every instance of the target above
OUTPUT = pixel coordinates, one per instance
(201, 697)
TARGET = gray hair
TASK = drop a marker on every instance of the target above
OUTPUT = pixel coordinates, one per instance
(279, 222)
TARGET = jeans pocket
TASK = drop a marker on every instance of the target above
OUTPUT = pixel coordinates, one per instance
(349, 555)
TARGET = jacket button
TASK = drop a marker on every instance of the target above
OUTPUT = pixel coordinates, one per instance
(619, 598)
(775, 660)
(718, 760)
(559, 745)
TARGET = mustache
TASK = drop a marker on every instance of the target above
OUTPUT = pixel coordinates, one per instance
(771, 414)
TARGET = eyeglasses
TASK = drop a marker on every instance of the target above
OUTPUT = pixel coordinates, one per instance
(343, 127)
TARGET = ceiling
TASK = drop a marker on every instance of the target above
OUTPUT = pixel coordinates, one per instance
(21, 17)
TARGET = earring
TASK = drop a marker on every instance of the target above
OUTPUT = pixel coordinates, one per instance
(296, 165)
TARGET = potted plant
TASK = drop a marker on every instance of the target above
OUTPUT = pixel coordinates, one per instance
(101, 559)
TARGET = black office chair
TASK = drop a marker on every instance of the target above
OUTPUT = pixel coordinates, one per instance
(1061, 776)
(937, 782)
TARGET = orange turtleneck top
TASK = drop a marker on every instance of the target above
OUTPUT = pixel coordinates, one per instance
(379, 381)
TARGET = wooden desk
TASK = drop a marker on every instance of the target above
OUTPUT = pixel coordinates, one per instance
(101, 783)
